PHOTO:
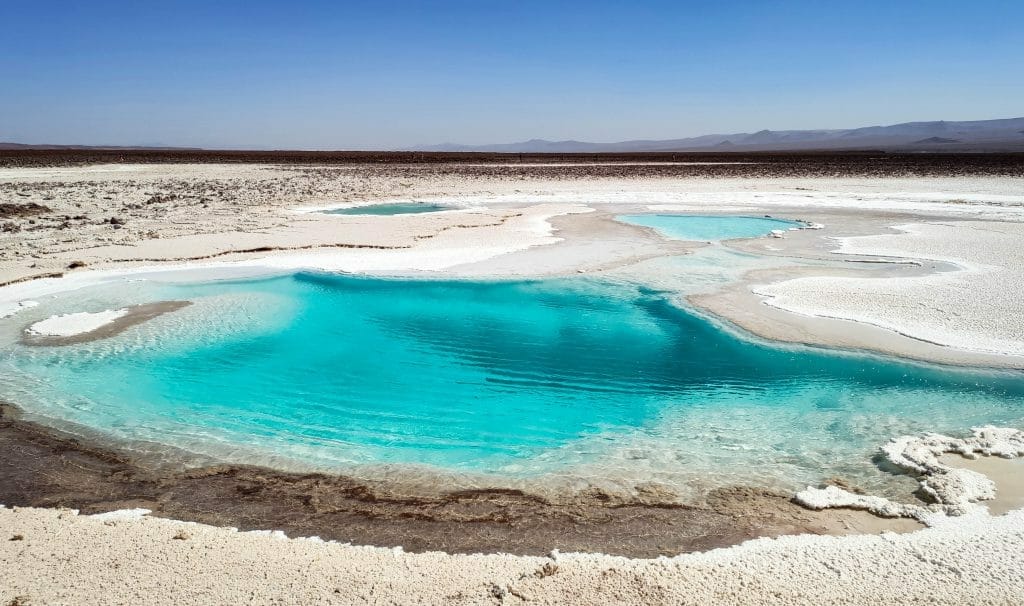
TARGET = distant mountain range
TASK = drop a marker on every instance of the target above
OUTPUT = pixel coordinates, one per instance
(972, 136)
(978, 135)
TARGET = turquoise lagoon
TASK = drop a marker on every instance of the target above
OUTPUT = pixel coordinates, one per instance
(604, 380)
(397, 208)
(709, 227)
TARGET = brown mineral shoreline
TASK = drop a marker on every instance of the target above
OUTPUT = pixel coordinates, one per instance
(45, 468)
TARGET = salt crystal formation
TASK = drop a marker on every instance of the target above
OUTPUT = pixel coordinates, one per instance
(955, 491)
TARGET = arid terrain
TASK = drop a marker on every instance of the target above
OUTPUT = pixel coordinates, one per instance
(881, 227)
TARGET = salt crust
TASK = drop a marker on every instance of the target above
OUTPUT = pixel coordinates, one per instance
(61, 557)
(531, 228)
(69, 325)
(976, 308)
(955, 491)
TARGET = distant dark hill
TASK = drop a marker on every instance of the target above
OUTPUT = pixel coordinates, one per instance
(1005, 135)
(978, 135)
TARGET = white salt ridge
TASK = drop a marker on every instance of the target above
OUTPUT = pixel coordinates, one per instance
(727, 197)
(69, 325)
(532, 227)
(956, 491)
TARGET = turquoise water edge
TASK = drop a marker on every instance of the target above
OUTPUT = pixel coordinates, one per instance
(395, 208)
(709, 227)
(567, 378)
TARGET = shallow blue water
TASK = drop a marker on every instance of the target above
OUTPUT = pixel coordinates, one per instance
(709, 227)
(517, 378)
(398, 208)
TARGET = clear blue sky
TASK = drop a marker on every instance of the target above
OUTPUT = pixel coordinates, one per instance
(371, 75)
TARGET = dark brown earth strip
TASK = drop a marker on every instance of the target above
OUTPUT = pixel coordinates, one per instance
(259, 249)
(875, 163)
(55, 274)
(136, 315)
(40, 467)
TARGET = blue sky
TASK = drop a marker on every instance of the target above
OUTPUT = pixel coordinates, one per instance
(377, 75)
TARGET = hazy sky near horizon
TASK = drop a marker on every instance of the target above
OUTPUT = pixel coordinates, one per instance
(383, 75)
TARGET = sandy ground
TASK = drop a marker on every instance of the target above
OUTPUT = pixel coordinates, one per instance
(1010, 473)
(949, 292)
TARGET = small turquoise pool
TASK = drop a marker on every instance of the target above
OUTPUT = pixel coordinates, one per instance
(709, 227)
(398, 208)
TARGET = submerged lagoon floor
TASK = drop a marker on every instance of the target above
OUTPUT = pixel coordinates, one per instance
(572, 379)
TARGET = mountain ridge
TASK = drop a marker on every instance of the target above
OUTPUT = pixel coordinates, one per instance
(999, 135)
(1004, 134)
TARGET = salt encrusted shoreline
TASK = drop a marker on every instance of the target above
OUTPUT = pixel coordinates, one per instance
(59, 556)
(955, 491)
(973, 309)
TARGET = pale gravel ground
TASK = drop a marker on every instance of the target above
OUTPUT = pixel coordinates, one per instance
(979, 308)
(63, 558)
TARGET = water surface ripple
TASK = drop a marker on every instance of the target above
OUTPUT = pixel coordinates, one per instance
(571, 378)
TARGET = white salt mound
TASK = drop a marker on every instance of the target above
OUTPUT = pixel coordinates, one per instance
(69, 325)
(955, 491)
